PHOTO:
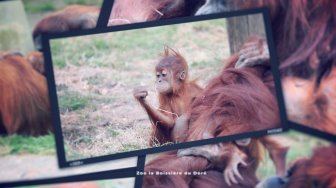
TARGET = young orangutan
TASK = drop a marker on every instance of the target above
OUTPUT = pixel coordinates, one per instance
(176, 92)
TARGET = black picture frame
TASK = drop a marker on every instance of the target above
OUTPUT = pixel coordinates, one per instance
(140, 168)
(311, 131)
(63, 163)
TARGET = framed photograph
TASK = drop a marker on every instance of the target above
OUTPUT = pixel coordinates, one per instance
(308, 79)
(293, 155)
(150, 87)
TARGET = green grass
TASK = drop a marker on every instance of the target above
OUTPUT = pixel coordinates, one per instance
(84, 139)
(67, 52)
(151, 41)
(58, 61)
(205, 64)
(206, 26)
(129, 147)
(39, 7)
(87, 52)
(130, 46)
(42, 6)
(71, 101)
(16, 144)
(100, 44)
(95, 80)
(71, 154)
(113, 132)
(9, 37)
(84, 2)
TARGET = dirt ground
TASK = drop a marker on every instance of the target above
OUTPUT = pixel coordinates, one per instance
(95, 76)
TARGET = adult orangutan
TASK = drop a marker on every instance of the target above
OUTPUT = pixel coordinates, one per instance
(73, 17)
(36, 59)
(175, 93)
(173, 98)
(130, 11)
(305, 44)
(235, 101)
(305, 37)
(124, 13)
(24, 101)
(316, 171)
(304, 34)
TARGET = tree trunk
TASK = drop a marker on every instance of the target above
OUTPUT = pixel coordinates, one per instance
(241, 27)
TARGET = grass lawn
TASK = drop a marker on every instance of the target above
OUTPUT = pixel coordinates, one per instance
(19, 145)
(42, 6)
